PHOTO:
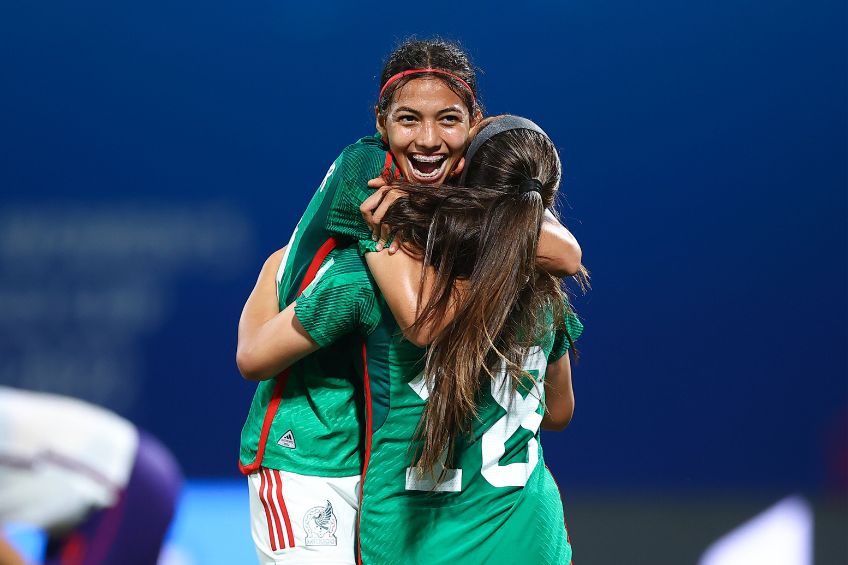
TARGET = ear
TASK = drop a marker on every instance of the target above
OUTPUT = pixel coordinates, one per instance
(475, 119)
(380, 123)
(457, 170)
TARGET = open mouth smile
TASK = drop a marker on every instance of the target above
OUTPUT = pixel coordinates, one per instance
(427, 168)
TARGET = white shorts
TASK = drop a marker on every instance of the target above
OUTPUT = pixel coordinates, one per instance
(302, 518)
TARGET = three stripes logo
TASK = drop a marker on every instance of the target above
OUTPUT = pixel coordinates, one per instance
(287, 440)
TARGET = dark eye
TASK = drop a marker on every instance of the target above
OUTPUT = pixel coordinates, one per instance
(451, 119)
(405, 119)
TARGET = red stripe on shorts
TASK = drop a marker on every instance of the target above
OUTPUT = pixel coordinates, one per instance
(283, 507)
(272, 490)
(263, 498)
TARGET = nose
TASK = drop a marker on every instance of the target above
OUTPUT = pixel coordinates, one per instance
(428, 138)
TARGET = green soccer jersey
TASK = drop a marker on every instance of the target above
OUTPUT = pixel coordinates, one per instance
(497, 504)
(306, 420)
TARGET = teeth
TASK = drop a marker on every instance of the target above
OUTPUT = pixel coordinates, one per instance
(440, 160)
(428, 158)
(428, 175)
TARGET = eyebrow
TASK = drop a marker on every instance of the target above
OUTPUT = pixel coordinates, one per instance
(406, 109)
(454, 108)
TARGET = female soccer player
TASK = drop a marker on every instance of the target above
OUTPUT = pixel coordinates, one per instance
(301, 444)
(472, 482)
(299, 429)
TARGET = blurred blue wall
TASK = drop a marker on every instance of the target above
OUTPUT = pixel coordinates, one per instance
(152, 154)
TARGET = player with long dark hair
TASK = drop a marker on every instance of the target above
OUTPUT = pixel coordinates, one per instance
(453, 468)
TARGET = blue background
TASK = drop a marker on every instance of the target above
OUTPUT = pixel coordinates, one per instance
(704, 147)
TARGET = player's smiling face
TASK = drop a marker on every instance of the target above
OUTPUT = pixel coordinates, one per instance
(427, 127)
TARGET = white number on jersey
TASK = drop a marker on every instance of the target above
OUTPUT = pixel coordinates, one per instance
(327, 177)
(520, 413)
(416, 478)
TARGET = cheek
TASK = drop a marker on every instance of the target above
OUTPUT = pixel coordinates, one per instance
(456, 142)
(399, 140)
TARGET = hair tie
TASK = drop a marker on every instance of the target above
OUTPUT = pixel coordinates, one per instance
(529, 185)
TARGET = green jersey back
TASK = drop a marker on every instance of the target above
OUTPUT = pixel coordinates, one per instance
(497, 503)
(306, 420)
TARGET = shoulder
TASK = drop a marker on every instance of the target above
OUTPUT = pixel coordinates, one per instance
(344, 267)
(367, 155)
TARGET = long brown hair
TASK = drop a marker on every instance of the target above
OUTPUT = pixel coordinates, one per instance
(481, 237)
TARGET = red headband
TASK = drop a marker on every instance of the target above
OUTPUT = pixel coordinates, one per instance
(402, 74)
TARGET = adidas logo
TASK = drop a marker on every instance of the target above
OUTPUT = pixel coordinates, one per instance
(287, 440)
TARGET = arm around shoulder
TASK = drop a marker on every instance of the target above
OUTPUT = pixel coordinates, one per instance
(269, 341)
(559, 252)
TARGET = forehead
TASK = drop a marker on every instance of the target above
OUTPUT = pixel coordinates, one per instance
(426, 95)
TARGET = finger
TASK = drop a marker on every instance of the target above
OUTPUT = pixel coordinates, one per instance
(396, 243)
(369, 204)
(367, 210)
(378, 182)
(384, 237)
(385, 204)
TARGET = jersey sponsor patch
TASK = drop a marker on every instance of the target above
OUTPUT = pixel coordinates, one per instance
(287, 440)
(320, 525)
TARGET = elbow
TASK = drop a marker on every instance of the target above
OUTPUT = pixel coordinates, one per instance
(564, 264)
(557, 420)
(249, 366)
(569, 264)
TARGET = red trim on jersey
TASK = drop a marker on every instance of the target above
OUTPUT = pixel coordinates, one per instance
(387, 168)
(277, 395)
(263, 486)
(282, 502)
(320, 255)
(369, 431)
(270, 413)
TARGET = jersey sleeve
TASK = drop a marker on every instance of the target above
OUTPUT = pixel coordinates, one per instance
(574, 327)
(338, 302)
(361, 162)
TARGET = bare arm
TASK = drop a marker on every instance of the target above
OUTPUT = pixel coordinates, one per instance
(558, 253)
(269, 341)
(559, 395)
(399, 277)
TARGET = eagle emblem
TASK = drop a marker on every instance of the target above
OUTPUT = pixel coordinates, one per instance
(320, 525)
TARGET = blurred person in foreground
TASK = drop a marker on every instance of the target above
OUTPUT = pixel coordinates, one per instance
(103, 491)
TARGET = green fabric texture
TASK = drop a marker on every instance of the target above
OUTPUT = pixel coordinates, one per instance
(344, 217)
(322, 396)
(340, 300)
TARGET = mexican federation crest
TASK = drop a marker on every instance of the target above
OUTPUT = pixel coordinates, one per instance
(320, 525)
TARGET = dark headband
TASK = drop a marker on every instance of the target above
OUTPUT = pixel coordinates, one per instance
(501, 125)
